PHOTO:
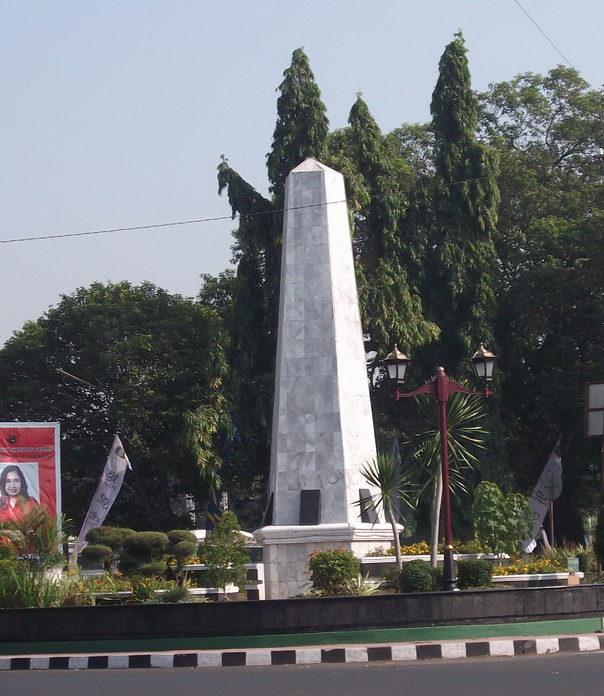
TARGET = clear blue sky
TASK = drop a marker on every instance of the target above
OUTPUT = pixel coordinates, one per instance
(115, 114)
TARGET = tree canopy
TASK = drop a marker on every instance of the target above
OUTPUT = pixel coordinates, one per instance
(152, 357)
(484, 225)
(463, 259)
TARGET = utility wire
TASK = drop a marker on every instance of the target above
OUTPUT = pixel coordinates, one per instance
(546, 36)
(191, 222)
(117, 229)
(163, 224)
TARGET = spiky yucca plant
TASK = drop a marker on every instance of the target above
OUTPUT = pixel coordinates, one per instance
(385, 475)
(465, 437)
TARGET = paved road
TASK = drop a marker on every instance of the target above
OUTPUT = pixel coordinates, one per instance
(543, 675)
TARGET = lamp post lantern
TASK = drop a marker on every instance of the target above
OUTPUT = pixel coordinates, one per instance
(441, 388)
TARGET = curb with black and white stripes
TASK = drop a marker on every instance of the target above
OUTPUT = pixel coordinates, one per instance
(314, 655)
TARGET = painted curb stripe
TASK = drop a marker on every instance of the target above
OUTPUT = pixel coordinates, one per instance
(312, 655)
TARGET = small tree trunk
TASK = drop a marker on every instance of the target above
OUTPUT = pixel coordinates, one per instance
(437, 497)
(397, 542)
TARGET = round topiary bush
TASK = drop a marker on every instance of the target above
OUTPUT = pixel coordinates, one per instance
(474, 573)
(109, 536)
(175, 536)
(183, 550)
(97, 553)
(332, 569)
(146, 546)
(417, 576)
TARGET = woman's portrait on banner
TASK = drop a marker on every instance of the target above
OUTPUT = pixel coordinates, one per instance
(29, 469)
(19, 489)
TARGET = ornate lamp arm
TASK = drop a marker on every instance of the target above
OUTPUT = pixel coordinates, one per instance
(441, 388)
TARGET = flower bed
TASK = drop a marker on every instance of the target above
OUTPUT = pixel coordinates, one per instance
(540, 573)
(539, 579)
(538, 567)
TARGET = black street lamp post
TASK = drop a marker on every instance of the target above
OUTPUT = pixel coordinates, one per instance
(441, 388)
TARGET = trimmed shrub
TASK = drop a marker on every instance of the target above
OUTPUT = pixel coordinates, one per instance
(175, 536)
(438, 573)
(332, 569)
(143, 548)
(474, 573)
(152, 569)
(109, 536)
(146, 546)
(392, 576)
(97, 553)
(183, 550)
(417, 576)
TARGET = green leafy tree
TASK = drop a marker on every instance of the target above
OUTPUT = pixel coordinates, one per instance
(502, 522)
(461, 282)
(302, 126)
(548, 132)
(149, 358)
(225, 554)
(389, 298)
(300, 132)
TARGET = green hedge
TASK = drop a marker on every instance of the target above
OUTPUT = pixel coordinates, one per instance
(417, 576)
(474, 573)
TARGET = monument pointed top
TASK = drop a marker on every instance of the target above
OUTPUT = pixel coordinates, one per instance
(311, 165)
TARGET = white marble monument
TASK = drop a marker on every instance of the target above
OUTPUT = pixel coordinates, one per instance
(322, 426)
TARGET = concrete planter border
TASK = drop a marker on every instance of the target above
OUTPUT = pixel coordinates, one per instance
(298, 616)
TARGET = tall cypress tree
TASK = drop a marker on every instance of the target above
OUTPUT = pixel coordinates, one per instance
(251, 354)
(390, 304)
(302, 125)
(300, 132)
(462, 275)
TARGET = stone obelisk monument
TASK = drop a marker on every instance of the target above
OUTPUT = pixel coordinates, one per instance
(322, 426)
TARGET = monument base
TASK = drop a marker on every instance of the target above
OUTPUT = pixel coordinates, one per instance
(286, 550)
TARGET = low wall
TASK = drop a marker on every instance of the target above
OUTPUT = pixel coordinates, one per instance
(312, 615)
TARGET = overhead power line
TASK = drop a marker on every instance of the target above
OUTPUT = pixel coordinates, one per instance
(159, 225)
(117, 229)
(188, 222)
(546, 36)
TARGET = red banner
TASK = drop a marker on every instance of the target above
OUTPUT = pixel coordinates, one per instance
(30, 466)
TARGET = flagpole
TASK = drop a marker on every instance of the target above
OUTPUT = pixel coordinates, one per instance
(551, 509)
(602, 460)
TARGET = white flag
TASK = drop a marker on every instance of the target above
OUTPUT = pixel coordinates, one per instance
(106, 493)
(548, 488)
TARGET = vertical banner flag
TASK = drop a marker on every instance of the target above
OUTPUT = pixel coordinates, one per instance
(30, 452)
(106, 493)
(548, 488)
